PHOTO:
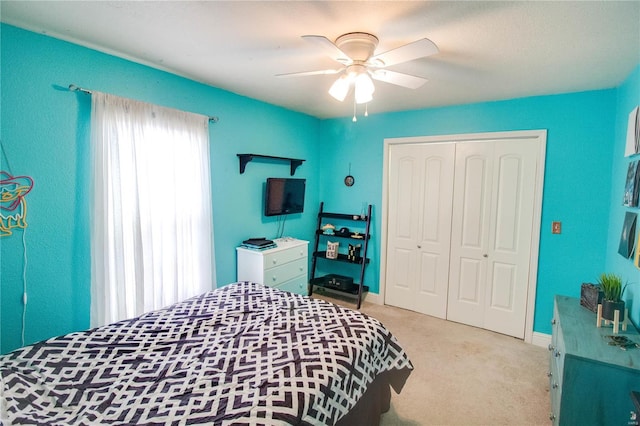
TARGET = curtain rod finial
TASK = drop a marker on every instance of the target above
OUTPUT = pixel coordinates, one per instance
(74, 88)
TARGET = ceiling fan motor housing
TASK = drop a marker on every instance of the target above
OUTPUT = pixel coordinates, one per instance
(358, 46)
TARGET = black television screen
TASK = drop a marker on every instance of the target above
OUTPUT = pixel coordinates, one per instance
(284, 196)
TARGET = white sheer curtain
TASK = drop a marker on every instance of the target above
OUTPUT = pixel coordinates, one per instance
(152, 227)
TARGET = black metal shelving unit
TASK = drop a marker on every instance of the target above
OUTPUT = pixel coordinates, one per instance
(362, 261)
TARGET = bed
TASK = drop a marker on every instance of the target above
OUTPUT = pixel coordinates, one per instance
(243, 354)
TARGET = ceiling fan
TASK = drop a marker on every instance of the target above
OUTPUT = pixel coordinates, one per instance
(355, 51)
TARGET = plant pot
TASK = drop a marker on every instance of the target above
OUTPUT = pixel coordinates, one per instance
(608, 308)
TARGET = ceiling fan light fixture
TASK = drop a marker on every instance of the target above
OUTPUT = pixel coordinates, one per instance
(364, 88)
(340, 88)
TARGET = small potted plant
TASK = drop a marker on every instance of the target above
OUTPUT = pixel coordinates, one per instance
(611, 285)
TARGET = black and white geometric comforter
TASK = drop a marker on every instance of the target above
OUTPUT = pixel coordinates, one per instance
(242, 354)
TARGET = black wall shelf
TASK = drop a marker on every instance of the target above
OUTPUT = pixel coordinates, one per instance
(245, 158)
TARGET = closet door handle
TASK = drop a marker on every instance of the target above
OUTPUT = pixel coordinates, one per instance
(485, 255)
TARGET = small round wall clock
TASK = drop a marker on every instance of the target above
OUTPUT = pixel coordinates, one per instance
(349, 180)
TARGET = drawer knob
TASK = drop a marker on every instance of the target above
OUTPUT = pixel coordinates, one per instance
(555, 386)
(274, 278)
(552, 417)
(556, 354)
(553, 321)
(275, 261)
(550, 347)
(549, 374)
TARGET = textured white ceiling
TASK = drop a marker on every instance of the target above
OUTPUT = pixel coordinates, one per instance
(489, 50)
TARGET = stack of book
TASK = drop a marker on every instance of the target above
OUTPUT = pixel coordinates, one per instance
(258, 244)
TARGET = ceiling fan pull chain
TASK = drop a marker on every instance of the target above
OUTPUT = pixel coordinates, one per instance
(354, 110)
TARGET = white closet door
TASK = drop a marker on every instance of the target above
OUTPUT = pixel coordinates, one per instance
(509, 256)
(470, 233)
(491, 234)
(421, 191)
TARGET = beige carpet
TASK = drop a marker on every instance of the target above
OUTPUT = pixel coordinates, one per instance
(463, 375)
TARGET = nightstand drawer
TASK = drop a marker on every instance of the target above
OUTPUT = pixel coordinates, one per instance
(281, 257)
(297, 285)
(279, 274)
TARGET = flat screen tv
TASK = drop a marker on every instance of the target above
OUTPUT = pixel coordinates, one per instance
(284, 196)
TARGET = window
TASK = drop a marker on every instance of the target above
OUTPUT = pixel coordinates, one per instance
(152, 227)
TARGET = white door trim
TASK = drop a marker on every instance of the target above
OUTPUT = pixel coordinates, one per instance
(540, 135)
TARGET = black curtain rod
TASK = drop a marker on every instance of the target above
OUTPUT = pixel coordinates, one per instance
(74, 88)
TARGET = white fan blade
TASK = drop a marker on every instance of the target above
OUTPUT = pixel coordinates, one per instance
(408, 52)
(329, 47)
(305, 73)
(398, 78)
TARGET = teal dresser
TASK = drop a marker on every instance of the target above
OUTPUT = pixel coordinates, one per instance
(590, 380)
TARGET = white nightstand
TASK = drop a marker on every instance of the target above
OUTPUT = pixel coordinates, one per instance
(284, 267)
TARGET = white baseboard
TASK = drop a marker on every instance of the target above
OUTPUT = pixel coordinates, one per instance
(541, 339)
(373, 298)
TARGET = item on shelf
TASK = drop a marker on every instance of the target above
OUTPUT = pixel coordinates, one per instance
(623, 342)
(344, 232)
(354, 252)
(258, 244)
(339, 282)
(259, 248)
(328, 229)
(591, 296)
(363, 211)
(258, 241)
(332, 250)
(611, 285)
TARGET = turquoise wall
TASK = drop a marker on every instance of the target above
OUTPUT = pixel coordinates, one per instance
(580, 133)
(628, 98)
(44, 131)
